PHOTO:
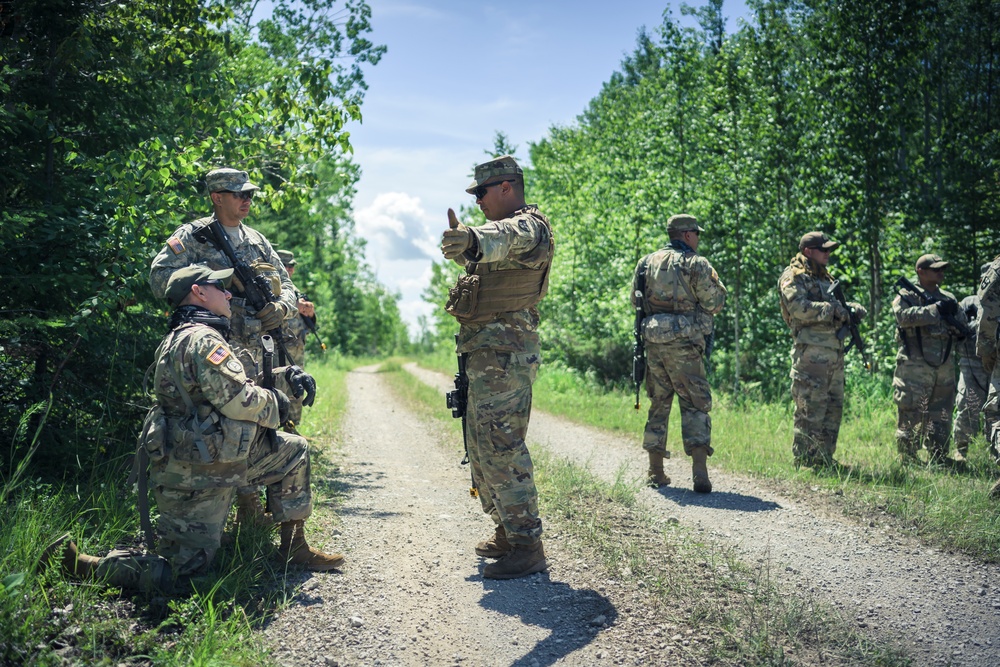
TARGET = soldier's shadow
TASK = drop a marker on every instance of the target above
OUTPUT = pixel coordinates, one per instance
(725, 500)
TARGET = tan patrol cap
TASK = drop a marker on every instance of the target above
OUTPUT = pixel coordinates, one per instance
(817, 240)
(931, 261)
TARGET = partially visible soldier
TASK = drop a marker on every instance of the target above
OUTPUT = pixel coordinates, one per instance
(295, 331)
(973, 381)
(681, 295)
(924, 381)
(230, 192)
(986, 347)
(209, 434)
(507, 264)
(816, 319)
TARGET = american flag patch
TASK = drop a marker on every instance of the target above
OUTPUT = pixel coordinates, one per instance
(175, 244)
(218, 355)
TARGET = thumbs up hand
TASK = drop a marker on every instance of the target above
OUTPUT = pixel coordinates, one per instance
(456, 239)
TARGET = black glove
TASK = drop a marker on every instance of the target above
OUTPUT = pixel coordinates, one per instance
(947, 308)
(971, 312)
(283, 404)
(301, 383)
(271, 315)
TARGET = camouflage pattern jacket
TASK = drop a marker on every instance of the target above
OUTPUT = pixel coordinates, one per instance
(921, 333)
(182, 249)
(989, 315)
(679, 281)
(807, 306)
(508, 244)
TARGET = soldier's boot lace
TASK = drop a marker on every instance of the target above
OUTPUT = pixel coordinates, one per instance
(73, 562)
(495, 546)
(699, 470)
(655, 475)
(250, 511)
(295, 551)
(520, 561)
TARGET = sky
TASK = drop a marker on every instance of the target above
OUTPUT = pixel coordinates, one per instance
(455, 73)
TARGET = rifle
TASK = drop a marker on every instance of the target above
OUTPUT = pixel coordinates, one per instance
(256, 289)
(963, 330)
(638, 344)
(458, 402)
(851, 327)
(268, 344)
(311, 325)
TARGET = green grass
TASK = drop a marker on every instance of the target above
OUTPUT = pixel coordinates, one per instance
(46, 619)
(728, 612)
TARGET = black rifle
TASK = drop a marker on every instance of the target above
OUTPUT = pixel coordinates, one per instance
(638, 345)
(851, 327)
(256, 289)
(267, 342)
(928, 299)
(310, 322)
(458, 402)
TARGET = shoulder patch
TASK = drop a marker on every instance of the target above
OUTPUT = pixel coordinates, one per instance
(234, 366)
(218, 355)
(175, 244)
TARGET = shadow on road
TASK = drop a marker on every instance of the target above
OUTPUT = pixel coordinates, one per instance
(574, 616)
(723, 500)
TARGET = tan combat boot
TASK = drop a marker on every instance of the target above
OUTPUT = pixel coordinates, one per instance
(295, 551)
(995, 491)
(495, 546)
(73, 562)
(699, 470)
(655, 475)
(249, 510)
(520, 561)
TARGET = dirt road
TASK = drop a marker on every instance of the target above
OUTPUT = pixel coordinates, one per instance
(412, 591)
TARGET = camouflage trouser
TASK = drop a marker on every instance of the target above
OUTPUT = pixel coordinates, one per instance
(677, 369)
(925, 397)
(192, 520)
(991, 412)
(296, 356)
(818, 392)
(496, 425)
(969, 402)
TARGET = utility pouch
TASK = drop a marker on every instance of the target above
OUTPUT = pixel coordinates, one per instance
(154, 434)
(667, 328)
(463, 298)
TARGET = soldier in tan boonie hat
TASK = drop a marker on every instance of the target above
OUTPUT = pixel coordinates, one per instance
(931, 261)
(817, 240)
(503, 168)
(228, 180)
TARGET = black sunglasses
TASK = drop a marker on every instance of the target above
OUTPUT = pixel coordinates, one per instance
(217, 284)
(246, 195)
(480, 192)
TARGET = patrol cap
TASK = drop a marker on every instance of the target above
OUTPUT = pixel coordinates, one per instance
(931, 262)
(179, 284)
(286, 257)
(496, 170)
(228, 179)
(817, 240)
(682, 222)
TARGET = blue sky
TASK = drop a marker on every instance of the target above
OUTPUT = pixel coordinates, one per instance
(455, 73)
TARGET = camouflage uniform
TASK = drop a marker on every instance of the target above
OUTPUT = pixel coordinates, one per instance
(986, 347)
(294, 334)
(682, 295)
(973, 382)
(924, 381)
(503, 358)
(194, 478)
(815, 318)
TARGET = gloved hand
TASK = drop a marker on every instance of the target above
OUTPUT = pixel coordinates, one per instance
(272, 315)
(283, 404)
(858, 312)
(301, 383)
(947, 308)
(456, 239)
(840, 314)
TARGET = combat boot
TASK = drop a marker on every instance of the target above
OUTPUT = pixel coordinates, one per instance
(655, 475)
(250, 511)
(995, 491)
(495, 546)
(520, 561)
(699, 470)
(295, 551)
(73, 562)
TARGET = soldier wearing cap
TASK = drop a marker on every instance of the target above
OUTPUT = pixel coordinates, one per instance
(294, 330)
(816, 319)
(202, 440)
(506, 264)
(230, 192)
(973, 381)
(986, 348)
(680, 294)
(924, 381)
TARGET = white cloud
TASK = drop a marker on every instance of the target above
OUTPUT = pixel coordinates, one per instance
(395, 226)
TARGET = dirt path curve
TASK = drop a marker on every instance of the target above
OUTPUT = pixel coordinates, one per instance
(412, 591)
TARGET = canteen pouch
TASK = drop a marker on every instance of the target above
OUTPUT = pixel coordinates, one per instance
(667, 328)
(154, 433)
(463, 298)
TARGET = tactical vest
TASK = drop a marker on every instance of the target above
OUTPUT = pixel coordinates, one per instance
(486, 291)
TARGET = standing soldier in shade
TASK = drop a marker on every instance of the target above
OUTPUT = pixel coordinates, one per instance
(924, 381)
(209, 434)
(230, 192)
(816, 319)
(973, 381)
(681, 294)
(986, 347)
(507, 264)
(295, 332)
